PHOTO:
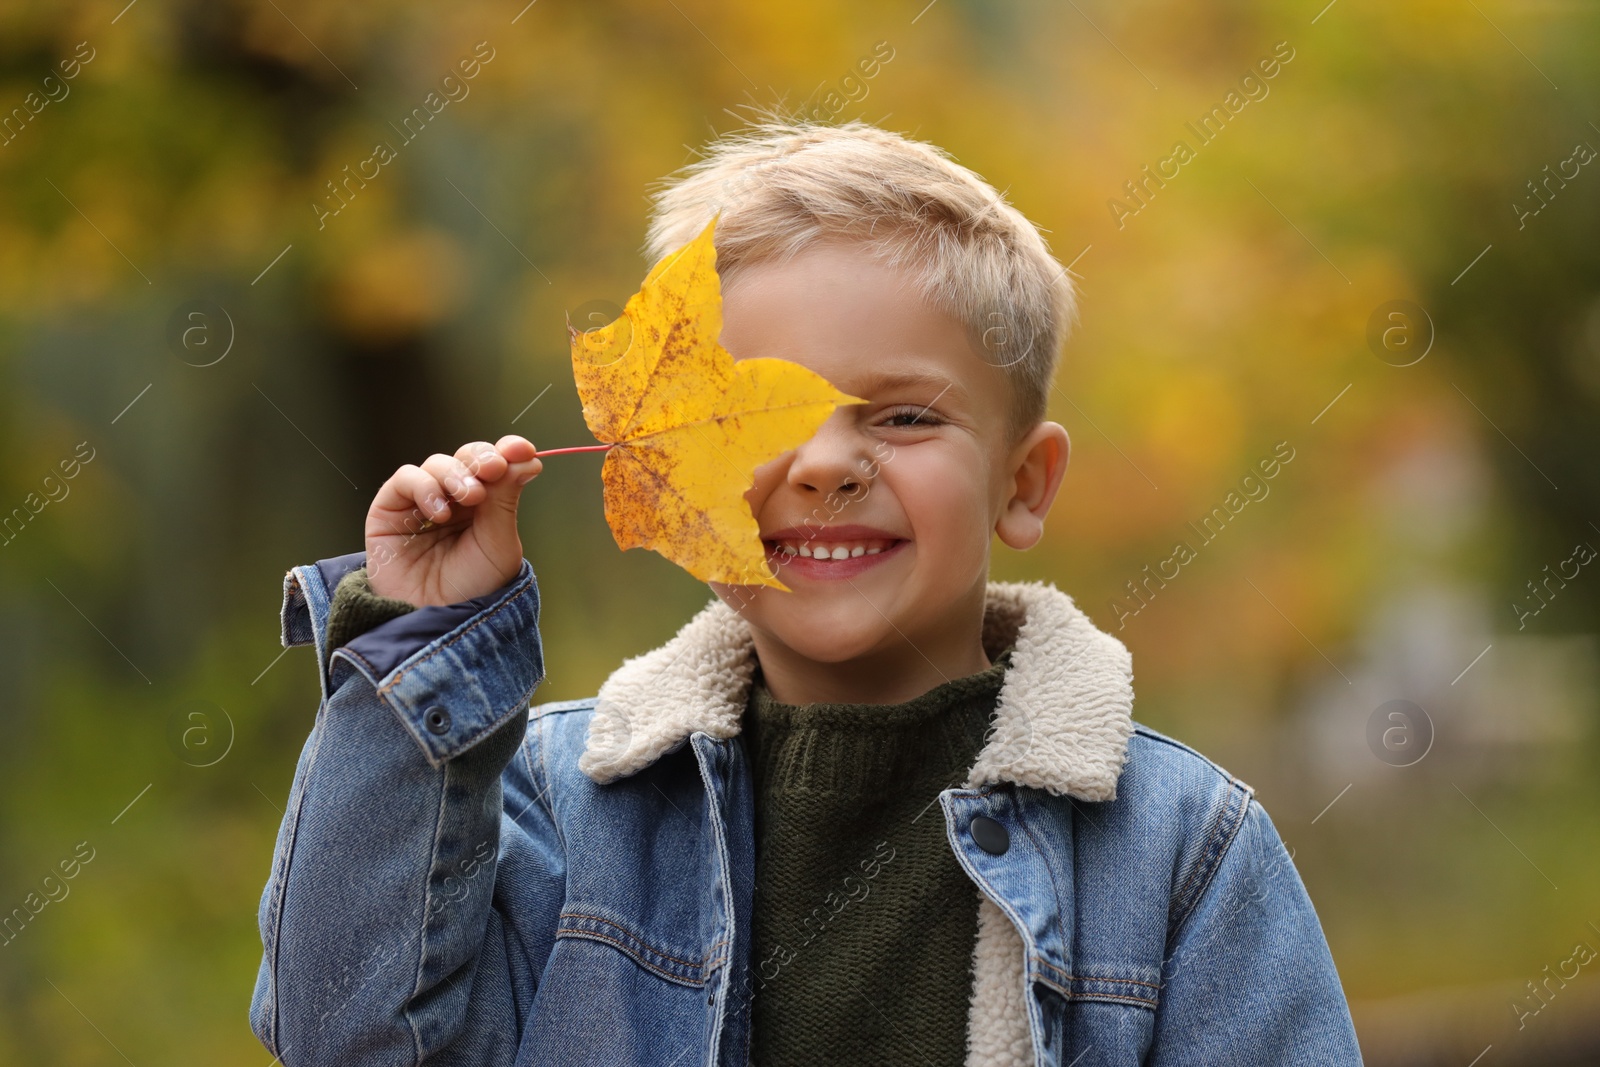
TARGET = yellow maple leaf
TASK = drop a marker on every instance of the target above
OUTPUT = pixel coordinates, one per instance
(687, 424)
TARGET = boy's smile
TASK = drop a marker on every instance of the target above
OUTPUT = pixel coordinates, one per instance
(830, 552)
(880, 524)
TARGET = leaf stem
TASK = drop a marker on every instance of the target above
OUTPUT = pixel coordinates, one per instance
(541, 453)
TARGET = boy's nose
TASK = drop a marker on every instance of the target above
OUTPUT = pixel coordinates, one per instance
(835, 459)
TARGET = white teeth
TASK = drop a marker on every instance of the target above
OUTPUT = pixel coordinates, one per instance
(833, 550)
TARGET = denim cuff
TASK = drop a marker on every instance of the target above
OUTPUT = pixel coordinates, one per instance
(392, 636)
(451, 673)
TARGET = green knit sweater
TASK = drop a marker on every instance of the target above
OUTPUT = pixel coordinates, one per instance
(356, 608)
(864, 920)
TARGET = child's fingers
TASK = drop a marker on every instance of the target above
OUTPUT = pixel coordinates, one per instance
(482, 460)
(522, 459)
(515, 448)
(455, 476)
(507, 489)
(410, 488)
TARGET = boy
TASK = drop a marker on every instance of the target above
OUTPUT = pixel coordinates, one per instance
(897, 814)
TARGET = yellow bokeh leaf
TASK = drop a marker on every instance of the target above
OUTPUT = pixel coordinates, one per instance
(688, 424)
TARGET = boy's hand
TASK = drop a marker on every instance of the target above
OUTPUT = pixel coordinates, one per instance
(447, 531)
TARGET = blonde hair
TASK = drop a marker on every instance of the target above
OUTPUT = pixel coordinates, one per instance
(784, 184)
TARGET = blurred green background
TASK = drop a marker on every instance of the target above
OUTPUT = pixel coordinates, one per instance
(1430, 541)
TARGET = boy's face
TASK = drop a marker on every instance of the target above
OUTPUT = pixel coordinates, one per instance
(907, 488)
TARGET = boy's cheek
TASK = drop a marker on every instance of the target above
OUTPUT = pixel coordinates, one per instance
(943, 502)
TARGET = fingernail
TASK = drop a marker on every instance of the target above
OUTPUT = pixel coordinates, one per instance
(469, 481)
(434, 503)
(452, 484)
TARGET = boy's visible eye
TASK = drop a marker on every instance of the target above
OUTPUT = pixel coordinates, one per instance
(914, 415)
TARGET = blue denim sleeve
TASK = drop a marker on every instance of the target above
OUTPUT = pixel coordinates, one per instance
(1249, 979)
(385, 929)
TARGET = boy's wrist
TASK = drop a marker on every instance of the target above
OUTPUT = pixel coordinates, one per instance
(356, 608)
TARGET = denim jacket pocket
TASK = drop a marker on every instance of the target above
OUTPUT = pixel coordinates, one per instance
(660, 963)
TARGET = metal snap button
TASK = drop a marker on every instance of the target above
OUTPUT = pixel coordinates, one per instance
(438, 719)
(990, 835)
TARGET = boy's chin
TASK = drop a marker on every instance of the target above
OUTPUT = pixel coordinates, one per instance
(832, 633)
(834, 647)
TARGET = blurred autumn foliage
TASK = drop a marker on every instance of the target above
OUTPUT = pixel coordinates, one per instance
(1420, 151)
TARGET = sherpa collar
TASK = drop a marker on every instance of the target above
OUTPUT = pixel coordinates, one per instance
(1062, 722)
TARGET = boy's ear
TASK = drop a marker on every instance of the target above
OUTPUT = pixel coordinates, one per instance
(1037, 464)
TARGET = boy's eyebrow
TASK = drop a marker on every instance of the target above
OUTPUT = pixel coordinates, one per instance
(876, 380)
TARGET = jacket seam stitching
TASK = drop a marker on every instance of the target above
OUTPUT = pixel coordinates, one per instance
(371, 668)
(488, 614)
(716, 798)
(562, 707)
(497, 719)
(280, 896)
(427, 900)
(1094, 977)
(1150, 735)
(542, 797)
(701, 963)
(1209, 850)
(628, 950)
(1069, 995)
(1054, 885)
(1220, 848)
(546, 800)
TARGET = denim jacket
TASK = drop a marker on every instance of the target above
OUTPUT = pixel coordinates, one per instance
(458, 881)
